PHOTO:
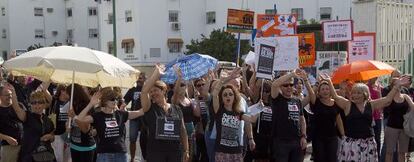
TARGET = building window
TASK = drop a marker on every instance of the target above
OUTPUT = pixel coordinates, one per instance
(55, 33)
(128, 16)
(211, 17)
(4, 55)
(326, 13)
(110, 47)
(155, 52)
(49, 10)
(39, 33)
(270, 12)
(92, 11)
(3, 11)
(70, 33)
(69, 12)
(128, 45)
(110, 18)
(175, 45)
(3, 33)
(298, 12)
(173, 16)
(38, 11)
(93, 33)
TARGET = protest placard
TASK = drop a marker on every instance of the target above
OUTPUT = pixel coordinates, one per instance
(266, 49)
(240, 20)
(362, 47)
(329, 61)
(337, 31)
(306, 49)
(286, 57)
(275, 25)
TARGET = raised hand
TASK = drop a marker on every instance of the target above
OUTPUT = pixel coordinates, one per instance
(160, 69)
(178, 71)
(95, 100)
(402, 80)
(235, 73)
(302, 74)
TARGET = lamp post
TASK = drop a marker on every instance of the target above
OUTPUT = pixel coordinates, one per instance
(114, 27)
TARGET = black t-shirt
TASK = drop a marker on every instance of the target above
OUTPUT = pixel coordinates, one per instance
(34, 129)
(228, 131)
(10, 124)
(111, 131)
(61, 111)
(134, 95)
(324, 119)
(264, 123)
(150, 119)
(286, 115)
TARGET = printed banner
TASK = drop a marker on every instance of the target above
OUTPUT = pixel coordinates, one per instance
(275, 25)
(240, 21)
(362, 47)
(337, 31)
(266, 49)
(329, 61)
(286, 57)
(306, 49)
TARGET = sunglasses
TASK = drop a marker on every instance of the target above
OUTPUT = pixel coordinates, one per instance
(182, 85)
(37, 102)
(228, 94)
(199, 85)
(288, 85)
(114, 100)
(266, 91)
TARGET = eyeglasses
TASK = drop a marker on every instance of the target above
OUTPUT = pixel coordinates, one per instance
(37, 102)
(114, 100)
(288, 85)
(228, 94)
(199, 85)
(182, 85)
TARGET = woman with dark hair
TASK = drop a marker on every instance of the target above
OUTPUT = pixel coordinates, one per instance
(228, 116)
(58, 108)
(359, 143)
(326, 121)
(109, 124)
(82, 143)
(167, 138)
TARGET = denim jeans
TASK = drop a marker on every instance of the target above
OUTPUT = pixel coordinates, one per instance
(211, 146)
(111, 157)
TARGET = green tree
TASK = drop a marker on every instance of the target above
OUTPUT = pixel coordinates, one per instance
(220, 44)
(303, 22)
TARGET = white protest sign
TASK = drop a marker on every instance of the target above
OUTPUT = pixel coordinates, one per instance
(337, 31)
(250, 58)
(329, 61)
(287, 53)
(362, 47)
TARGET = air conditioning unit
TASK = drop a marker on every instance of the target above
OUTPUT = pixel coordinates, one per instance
(175, 26)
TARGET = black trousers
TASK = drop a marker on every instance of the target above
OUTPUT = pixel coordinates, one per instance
(287, 151)
(82, 156)
(325, 149)
(171, 156)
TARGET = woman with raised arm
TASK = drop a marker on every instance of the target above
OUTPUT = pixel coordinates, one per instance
(167, 139)
(187, 107)
(228, 115)
(109, 124)
(325, 116)
(359, 143)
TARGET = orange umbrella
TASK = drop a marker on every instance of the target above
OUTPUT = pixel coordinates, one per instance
(361, 70)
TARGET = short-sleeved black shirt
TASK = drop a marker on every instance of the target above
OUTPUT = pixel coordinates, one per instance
(134, 95)
(111, 131)
(286, 115)
(228, 131)
(10, 124)
(58, 107)
(34, 129)
(150, 119)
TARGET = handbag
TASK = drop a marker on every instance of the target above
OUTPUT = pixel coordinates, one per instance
(44, 152)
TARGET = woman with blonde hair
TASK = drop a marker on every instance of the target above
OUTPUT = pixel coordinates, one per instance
(359, 144)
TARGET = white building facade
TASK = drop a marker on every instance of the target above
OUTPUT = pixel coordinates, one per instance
(147, 31)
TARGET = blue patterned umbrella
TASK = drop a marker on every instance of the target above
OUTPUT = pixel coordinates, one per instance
(192, 66)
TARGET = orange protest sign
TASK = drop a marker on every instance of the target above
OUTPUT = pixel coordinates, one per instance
(240, 20)
(307, 52)
(275, 25)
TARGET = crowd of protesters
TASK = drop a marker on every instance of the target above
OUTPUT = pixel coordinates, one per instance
(209, 119)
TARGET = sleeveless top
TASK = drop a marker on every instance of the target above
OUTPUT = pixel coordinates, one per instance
(324, 119)
(359, 124)
(396, 113)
